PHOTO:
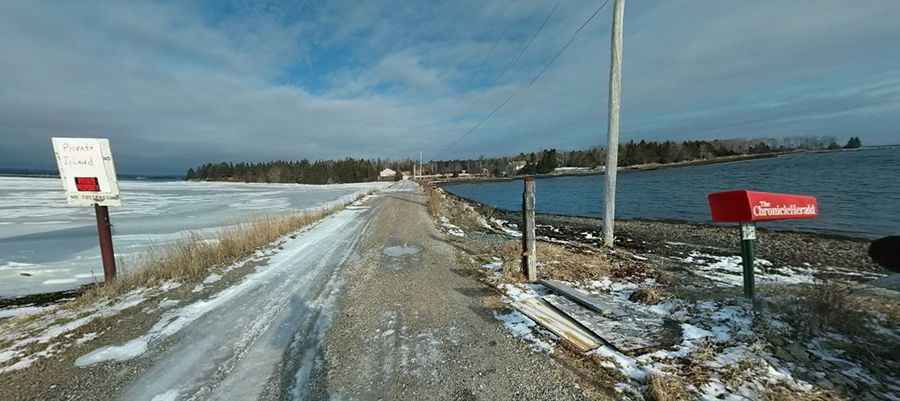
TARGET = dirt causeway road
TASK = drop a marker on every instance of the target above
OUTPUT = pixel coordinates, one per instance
(367, 305)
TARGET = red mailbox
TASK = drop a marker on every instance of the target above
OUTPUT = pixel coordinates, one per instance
(749, 206)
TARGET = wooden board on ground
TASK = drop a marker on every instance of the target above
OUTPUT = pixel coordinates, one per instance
(584, 299)
(558, 324)
(630, 333)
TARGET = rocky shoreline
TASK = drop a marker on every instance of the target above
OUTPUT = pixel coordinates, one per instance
(669, 237)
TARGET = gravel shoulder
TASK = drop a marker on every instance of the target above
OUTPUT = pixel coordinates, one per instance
(415, 324)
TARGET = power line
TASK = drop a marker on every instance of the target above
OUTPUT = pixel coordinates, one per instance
(536, 77)
(569, 43)
(527, 44)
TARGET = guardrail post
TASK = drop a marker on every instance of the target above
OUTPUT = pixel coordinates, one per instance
(529, 255)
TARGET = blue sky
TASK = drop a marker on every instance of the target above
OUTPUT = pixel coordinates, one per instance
(177, 83)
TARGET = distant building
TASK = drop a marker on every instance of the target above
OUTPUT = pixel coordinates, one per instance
(387, 174)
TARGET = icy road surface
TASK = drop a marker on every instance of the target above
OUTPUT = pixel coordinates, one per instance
(259, 339)
(47, 246)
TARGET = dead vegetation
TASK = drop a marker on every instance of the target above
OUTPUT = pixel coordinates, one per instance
(665, 387)
(193, 257)
(827, 306)
(434, 200)
(784, 394)
(649, 296)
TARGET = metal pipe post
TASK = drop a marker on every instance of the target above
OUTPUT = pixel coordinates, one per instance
(748, 236)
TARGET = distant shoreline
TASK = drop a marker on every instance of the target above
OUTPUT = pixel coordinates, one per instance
(123, 177)
(653, 166)
(637, 167)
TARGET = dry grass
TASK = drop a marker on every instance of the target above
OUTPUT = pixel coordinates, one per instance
(434, 200)
(829, 306)
(665, 387)
(649, 296)
(784, 394)
(192, 258)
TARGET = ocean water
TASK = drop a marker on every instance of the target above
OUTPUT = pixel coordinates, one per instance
(858, 191)
(46, 245)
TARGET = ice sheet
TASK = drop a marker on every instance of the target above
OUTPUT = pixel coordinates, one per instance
(47, 246)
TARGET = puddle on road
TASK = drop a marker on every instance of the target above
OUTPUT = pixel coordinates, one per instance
(401, 250)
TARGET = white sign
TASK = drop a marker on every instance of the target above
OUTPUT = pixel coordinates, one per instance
(87, 171)
(748, 231)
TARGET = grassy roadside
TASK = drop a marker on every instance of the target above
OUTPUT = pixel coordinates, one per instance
(192, 258)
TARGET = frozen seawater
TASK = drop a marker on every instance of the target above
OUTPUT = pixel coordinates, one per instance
(47, 246)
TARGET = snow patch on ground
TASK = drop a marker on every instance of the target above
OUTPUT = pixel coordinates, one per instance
(728, 271)
(507, 228)
(170, 395)
(24, 311)
(212, 279)
(49, 328)
(521, 327)
(451, 228)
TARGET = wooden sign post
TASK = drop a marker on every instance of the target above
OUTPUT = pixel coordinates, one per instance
(529, 254)
(88, 175)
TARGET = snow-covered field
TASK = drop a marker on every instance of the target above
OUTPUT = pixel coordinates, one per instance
(47, 246)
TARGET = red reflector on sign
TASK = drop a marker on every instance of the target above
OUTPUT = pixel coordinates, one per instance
(87, 184)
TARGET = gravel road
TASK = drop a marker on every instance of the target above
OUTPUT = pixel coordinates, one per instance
(416, 326)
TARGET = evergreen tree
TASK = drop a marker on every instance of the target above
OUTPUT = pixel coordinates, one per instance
(853, 143)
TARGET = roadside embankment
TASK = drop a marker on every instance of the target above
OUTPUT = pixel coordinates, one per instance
(674, 320)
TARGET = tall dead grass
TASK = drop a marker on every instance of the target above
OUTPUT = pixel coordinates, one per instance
(829, 306)
(434, 200)
(193, 257)
(665, 387)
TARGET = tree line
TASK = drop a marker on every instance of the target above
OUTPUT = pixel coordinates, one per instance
(634, 153)
(630, 154)
(300, 172)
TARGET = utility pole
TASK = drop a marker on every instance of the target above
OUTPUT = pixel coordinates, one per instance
(612, 146)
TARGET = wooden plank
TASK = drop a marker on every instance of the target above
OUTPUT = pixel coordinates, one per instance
(584, 299)
(559, 324)
(627, 333)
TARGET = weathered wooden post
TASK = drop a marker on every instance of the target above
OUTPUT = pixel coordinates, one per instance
(529, 255)
(104, 231)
